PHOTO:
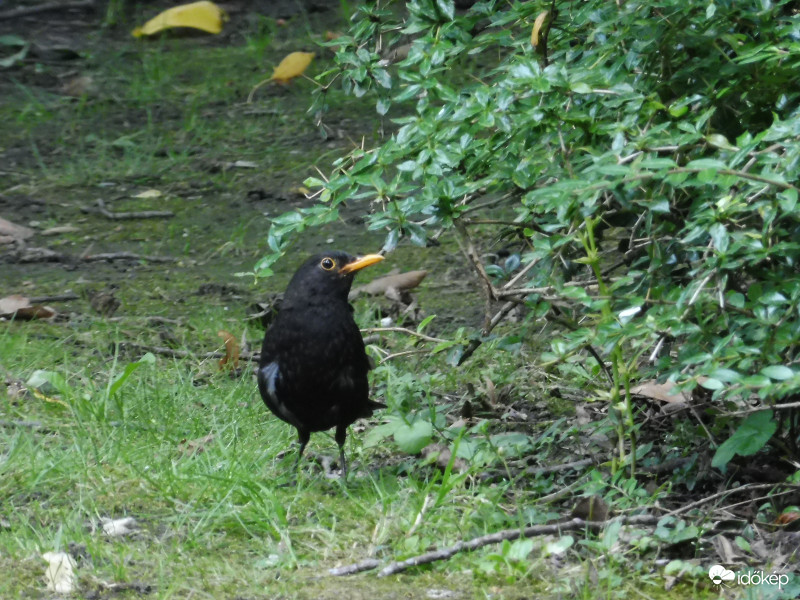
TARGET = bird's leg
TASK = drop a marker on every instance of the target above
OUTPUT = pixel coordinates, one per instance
(341, 435)
(303, 437)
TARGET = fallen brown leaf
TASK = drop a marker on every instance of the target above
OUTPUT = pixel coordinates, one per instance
(19, 307)
(396, 282)
(10, 232)
(231, 358)
(660, 391)
(787, 517)
(443, 456)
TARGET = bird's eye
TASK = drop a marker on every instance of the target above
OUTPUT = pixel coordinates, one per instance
(327, 263)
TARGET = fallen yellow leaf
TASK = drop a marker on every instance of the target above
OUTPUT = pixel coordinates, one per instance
(204, 15)
(292, 66)
(537, 26)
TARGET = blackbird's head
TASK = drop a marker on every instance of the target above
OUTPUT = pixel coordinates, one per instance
(327, 276)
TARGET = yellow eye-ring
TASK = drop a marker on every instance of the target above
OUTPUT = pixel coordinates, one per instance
(327, 263)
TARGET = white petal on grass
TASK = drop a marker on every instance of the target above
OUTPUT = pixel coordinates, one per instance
(627, 314)
(119, 527)
(60, 573)
(151, 193)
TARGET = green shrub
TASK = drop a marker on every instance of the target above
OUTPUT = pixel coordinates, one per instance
(647, 152)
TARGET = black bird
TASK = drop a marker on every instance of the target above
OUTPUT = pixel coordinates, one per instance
(313, 368)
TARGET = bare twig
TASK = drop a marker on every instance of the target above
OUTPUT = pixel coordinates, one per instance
(546, 292)
(422, 336)
(127, 256)
(545, 33)
(757, 500)
(468, 248)
(577, 464)
(404, 353)
(172, 353)
(474, 344)
(121, 216)
(54, 298)
(47, 255)
(364, 565)
(524, 271)
(489, 203)
(561, 493)
(600, 362)
(743, 488)
(24, 11)
(496, 538)
(755, 409)
(149, 318)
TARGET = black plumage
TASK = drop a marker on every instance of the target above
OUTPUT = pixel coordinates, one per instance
(313, 368)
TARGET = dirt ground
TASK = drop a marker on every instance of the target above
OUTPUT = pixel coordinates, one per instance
(78, 137)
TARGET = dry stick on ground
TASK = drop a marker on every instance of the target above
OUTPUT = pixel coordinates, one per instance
(562, 493)
(727, 508)
(127, 256)
(496, 538)
(389, 357)
(422, 336)
(40, 8)
(576, 464)
(121, 216)
(51, 256)
(755, 409)
(171, 352)
(149, 318)
(724, 493)
(364, 565)
(54, 298)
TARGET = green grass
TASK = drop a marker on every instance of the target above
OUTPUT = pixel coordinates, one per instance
(228, 522)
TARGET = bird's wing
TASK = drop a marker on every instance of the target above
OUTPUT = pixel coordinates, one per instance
(267, 379)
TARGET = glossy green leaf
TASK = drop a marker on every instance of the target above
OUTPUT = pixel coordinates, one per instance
(750, 437)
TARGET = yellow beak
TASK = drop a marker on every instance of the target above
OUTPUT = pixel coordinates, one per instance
(360, 263)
